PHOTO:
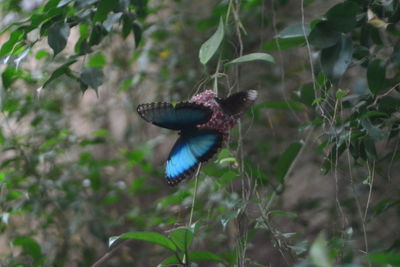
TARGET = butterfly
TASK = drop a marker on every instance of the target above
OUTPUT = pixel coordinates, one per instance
(195, 144)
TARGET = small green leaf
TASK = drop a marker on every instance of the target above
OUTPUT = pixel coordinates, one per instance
(193, 256)
(151, 237)
(307, 94)
(336, 59)
(208, 49)
(103, 8)
(8, 46)
(112, 19)
(92, 77)
(97, 60)
(63, 69)
(376, 76)
(182, 238)
(58, 36)
(319, 253)
(252, 57)
(286, 160)
(41, 54)
(9, 76)
(29, 246)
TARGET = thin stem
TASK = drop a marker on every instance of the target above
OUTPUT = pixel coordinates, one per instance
(194, 194)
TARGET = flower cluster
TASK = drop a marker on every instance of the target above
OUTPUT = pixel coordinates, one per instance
(219, 120)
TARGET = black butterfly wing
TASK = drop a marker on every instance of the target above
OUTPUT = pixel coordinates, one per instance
(183, 115)
(237, 103)
(190, 149)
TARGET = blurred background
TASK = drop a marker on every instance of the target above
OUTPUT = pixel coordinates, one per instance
(309, 177)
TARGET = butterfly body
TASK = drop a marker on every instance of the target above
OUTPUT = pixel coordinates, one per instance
(202, 124)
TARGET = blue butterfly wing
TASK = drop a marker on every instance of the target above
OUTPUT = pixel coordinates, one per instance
(189, 150)
(183, 115)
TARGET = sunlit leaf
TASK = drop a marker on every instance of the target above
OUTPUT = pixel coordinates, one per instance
(208, 49)
(151, 237)
(252, 57)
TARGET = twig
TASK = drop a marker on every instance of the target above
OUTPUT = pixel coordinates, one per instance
(109, 254)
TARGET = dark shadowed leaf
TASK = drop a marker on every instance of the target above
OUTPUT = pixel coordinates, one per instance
(194, 256)
(103, 8)
(137, 31)
(323, 35)
(286, 160)
(336, 59)
(58, 36)
(151, 237)
(376, 76)
(252, 57)
(92, 76)
(208, 49)
(343, 16)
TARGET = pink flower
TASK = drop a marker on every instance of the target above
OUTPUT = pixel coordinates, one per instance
(219, 120)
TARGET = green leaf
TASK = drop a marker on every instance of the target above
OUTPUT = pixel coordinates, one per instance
(9, 76)
(336, 59)
(200, 255)
(307, 94)
(290, 37)
(208, 49)
(8, 46)
(252, 57)
(97, 60)
(58, 36)
(182, 238)
(319, 253)
(63, 69)
(29, 246)
(392, 258)
(282, 104)
(286, 160)
(103, 8)
(376, 76)
(193, 256)
(41, 54)
(92, 77)
(151, 237)
(112, 19)
(323, 35)
(344, 16)
(137, 31)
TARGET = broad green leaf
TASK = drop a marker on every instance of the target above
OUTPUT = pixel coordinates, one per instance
(319, 253)
(97, 60)
(290, 37)
(286, 160)
(9, 76)
(103, 8)
(200, 255)
(282, 104)
(208, 49)
(182, 238)
(92, 77)
(29, 246)
(323, 35)
(252, 57)
(336, 59)
(343, 16)
(151, 237)
(392, 258)
(376, 76)
(193, 256)
(58, 36)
